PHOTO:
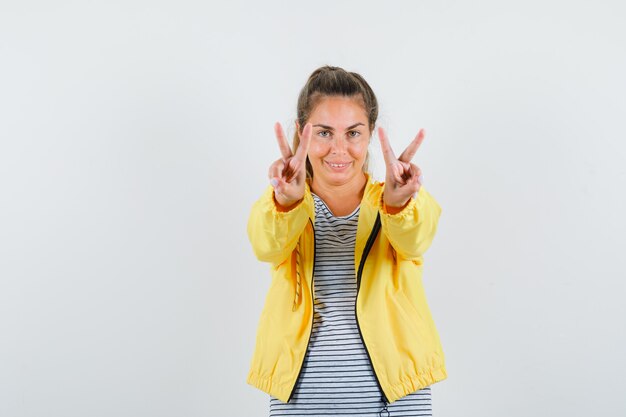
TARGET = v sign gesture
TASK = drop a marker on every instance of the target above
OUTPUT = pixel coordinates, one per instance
(288, 174)
(403, 179)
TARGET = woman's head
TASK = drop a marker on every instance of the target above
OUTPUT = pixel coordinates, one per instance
(343, 110)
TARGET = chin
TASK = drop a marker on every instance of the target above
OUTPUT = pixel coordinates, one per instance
(339, 179)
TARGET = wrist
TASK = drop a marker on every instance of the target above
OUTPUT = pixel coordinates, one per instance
(395, 208)
(285, 205)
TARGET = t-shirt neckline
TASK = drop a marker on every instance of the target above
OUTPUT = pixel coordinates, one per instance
(356, 210)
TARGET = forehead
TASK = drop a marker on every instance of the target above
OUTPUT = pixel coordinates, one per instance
(339, 110)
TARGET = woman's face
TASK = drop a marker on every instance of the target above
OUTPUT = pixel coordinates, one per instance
(339, 142)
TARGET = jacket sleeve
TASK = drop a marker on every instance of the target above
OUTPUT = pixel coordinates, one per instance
(272, 233)
(412, 230)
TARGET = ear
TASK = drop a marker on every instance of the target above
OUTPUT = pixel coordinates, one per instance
(297, 127)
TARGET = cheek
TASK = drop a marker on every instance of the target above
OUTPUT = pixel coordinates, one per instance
(317, 149)
(359, 150)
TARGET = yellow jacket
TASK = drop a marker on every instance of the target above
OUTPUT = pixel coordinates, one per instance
(392, 313)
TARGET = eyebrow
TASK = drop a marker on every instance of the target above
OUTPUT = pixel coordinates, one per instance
(330, 128)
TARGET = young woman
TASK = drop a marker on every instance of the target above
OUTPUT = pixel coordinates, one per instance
(346, 328)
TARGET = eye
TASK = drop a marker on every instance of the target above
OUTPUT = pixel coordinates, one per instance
(324, 133)
(354, 133)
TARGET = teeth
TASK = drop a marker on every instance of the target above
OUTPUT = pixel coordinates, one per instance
(337, 165)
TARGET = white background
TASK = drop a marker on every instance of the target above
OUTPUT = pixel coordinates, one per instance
(135, 136)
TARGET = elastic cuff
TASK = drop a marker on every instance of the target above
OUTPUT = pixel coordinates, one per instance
(413, 201)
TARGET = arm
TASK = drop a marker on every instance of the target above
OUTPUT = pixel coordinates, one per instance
(411, 230)
(274, 233)
(409, 214)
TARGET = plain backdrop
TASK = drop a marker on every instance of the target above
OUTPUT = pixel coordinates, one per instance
(135, 136)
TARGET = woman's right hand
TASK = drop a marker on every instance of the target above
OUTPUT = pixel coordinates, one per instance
(288, 174)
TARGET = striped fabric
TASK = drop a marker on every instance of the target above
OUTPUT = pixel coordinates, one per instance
(337, 377)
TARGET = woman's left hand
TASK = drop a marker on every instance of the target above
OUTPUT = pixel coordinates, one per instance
(403, 179)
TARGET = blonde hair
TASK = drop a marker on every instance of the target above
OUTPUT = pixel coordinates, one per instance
(334, 81)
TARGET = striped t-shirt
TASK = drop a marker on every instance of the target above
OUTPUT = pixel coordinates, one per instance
(337, 377)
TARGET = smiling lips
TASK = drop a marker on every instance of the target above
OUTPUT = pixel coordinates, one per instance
(338, 165)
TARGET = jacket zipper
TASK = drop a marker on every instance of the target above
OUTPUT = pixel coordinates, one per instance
(366, 251)
(312, 316)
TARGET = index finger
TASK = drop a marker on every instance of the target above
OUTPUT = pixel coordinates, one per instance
(388, 154)
(410, 150)
(305, 141)
(285, 150)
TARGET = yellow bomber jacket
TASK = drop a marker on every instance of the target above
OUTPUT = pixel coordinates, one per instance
(392, 313)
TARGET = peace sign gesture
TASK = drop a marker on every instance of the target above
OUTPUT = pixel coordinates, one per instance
(403, 179)
(288, 174)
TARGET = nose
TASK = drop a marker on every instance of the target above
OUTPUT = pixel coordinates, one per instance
(339, 145)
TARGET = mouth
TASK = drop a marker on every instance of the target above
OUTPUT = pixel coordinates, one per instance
(338, 166)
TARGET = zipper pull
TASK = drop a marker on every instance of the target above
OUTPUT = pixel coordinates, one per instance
(384, 409)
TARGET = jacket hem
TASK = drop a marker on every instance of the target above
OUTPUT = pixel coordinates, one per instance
(266, 384)
(414, 383)
(405, 387)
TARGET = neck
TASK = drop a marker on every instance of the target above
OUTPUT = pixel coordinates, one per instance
(341, 199)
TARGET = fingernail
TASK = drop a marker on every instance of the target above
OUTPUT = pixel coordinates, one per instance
(420, 179)
(274, 182)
